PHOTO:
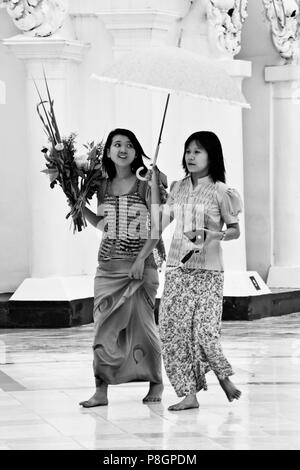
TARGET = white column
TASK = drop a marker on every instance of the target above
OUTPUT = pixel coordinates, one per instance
(53, 246)
(138, 25)
(285, 268)
(2, 92)
(231, 135)
(137, 28)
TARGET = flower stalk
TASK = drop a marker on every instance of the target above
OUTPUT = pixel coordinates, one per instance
(78, 182)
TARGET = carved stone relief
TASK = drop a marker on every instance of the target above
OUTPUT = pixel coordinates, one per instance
(37, 17)
(284, 18)
(226, 18)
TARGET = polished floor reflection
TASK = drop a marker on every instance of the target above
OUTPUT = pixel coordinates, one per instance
(45, 373)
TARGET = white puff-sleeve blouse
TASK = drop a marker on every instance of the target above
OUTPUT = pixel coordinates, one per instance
(209, 205)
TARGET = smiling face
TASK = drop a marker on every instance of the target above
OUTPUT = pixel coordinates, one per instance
(121, 151)
(196, 158)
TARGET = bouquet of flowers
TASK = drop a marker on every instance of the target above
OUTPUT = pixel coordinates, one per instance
(78, 176)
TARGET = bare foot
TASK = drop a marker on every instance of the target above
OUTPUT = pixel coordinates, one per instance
(229, 388)
(98, 399)
(190, 401)
(154, 394)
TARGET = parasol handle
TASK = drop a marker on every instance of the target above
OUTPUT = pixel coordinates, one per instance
(161, 130)
(138, 171)
(138, 174)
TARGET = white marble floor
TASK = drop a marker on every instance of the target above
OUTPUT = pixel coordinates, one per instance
(45, 373)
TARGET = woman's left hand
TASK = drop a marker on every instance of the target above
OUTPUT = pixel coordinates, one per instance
(137, 269)
(213, 235)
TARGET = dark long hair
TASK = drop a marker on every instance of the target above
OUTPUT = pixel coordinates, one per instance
(211, 143)
(109, 165)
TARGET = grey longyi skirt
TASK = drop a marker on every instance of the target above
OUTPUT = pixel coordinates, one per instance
(126, 344)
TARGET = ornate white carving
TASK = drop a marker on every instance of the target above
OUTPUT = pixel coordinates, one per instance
(37, 17)
(284, 17)
(226, 17)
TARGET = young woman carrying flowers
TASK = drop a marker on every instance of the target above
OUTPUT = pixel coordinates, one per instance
(126, 345)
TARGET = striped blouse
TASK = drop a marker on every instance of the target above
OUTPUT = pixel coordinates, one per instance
(126, 223)
(209, 205)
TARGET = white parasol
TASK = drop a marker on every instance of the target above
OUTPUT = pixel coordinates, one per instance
(174, 70)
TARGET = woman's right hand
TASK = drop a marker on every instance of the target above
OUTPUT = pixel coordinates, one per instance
(152, 176)
(137, 269)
